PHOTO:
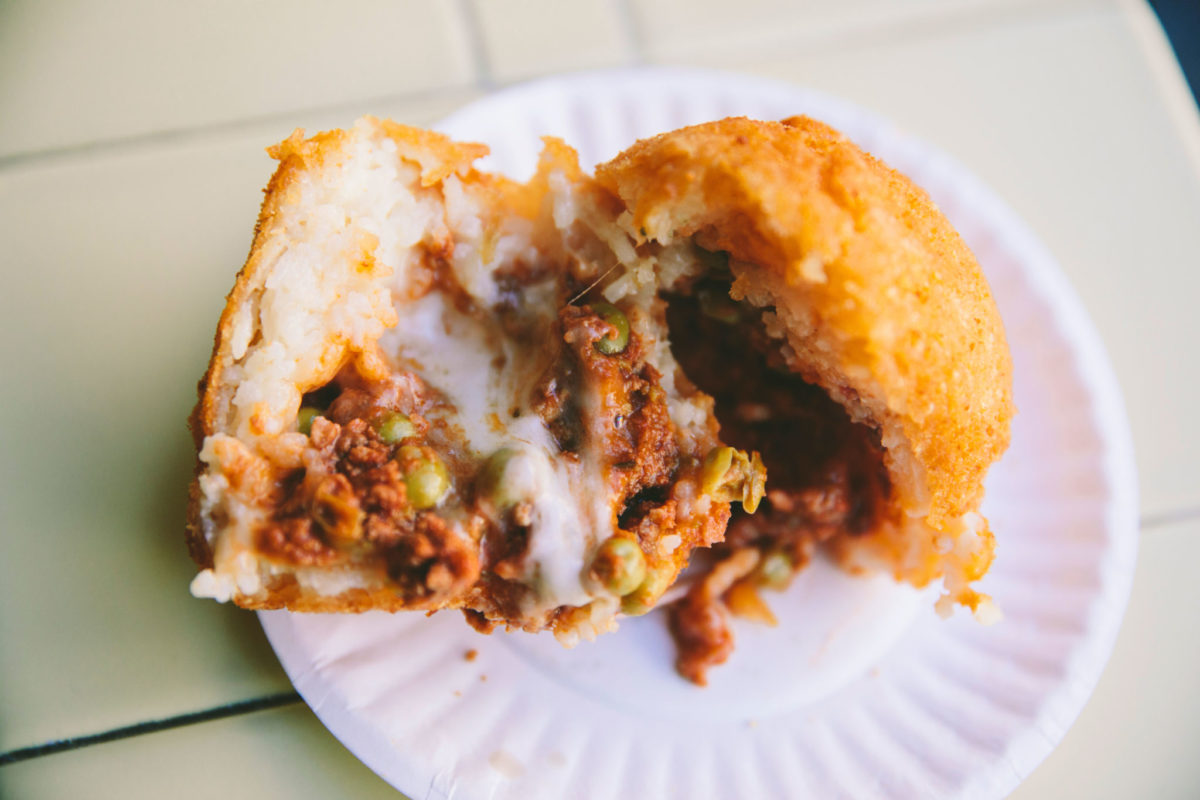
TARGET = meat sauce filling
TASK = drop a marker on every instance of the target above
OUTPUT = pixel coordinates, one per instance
(368, 481)
(380, 483)
(825, 473)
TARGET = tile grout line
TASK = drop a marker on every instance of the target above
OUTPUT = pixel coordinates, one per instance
(477, 42)
(483, 80)
(635, 40)
(150, 726)
(1149, 521)
(912, 26)
(1182, 106)
(196, 133)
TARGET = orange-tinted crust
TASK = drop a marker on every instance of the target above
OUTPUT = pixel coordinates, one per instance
(438, 157)
(910, 338)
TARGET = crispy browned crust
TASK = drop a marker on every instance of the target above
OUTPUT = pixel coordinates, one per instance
(286, 593)
(910, 337)
(438, 157)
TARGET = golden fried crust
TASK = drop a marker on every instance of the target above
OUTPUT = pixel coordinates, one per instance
(889, 310)
(438, 157)
(285, 593)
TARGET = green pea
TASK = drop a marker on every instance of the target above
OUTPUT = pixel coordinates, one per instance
(611, 345)
(642, 599)
(305, 417)
(425, 476)
(754, 488)
(775, 570)
(728, 474)
(491, 483)
(718, 305)
(716, 466)
(620, 565)
(394, 427)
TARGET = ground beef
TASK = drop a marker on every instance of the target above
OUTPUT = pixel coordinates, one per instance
(825, 473)
(703, 638)
(627, 429)
(700, 621)
(431, 563)
(628, 420)
(352, 404)
(479, 621)
(555, 401)
(350, 500)
(292, 539)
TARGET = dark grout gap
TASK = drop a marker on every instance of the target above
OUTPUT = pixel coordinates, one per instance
(150, 726)
(1180, 20)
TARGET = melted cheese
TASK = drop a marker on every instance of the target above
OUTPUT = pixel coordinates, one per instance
(487, 377)
(559, 530)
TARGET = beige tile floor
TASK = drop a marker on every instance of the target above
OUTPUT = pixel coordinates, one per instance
(131, 160)
(83, 72)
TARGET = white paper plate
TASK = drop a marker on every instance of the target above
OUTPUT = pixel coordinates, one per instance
(861, 691)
